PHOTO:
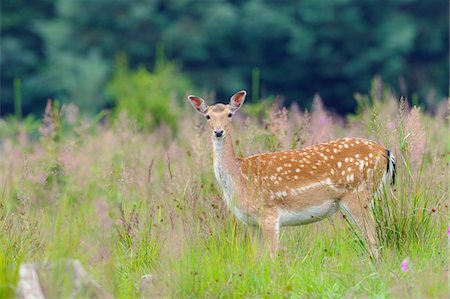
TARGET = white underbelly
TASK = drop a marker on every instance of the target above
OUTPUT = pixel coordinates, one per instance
(243, 216)
(309, 215)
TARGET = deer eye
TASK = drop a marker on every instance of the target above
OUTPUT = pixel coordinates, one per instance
(208, 117)
(230, 114)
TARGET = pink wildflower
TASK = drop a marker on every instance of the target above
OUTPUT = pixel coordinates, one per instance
(416, 136)
(321, 123)
(391, 125)
(404, 265)
(448, 232)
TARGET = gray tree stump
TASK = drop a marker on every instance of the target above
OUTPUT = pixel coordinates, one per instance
(47, 280)
(28, 286)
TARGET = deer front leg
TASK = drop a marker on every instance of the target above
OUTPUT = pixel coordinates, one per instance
(356, 207)
(270, 228)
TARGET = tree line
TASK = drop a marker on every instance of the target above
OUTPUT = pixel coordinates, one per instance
(68, 49)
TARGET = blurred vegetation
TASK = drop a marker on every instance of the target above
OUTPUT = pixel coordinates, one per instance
(128, 202)
(148, 97)
(66, 49)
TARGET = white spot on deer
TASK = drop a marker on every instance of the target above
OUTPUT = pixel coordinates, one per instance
(321, 183)
(335, 150)
(351, 159)
(361, 165)
(297, 170)
(332, 171)
(343, 172)
(295, 177)
(345, 145)
(273, 178)
(279, 169)
(340, 145)
(357, 156)
(357, 142)
(346, 159)
(339, 164)
(352, 177)
(349, 169)
(370, 155)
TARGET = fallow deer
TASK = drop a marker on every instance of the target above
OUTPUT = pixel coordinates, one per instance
(296, 187)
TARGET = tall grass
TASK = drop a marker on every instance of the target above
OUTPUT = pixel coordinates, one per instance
(128, 203)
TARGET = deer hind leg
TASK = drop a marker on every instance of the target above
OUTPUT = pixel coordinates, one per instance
(356, 206)
(270, 228)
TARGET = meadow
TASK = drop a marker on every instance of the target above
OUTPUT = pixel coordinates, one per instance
(127, 202)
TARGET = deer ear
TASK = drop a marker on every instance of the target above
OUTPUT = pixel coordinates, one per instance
(237, 100)
(198, 103)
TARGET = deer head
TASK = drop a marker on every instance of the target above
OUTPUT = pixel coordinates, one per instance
(219, 116)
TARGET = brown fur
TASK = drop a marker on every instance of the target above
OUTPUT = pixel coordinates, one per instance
(341, 173)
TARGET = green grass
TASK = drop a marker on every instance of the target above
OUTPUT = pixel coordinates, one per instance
(322, 260)
(128, 203)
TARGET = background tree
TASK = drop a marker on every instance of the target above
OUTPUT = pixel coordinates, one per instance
(22, 50)
(298, 48)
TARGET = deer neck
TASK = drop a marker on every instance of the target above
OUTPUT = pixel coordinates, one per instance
(227, 167)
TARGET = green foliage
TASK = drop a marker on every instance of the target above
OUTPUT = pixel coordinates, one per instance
(230, 266)
(136, 250)
(126, 205)
(22, 53)
(152, 98)
(14, 128)
(15, 241)
(66, 49)
(258, 109)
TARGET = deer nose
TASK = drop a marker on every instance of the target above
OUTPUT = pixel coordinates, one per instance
(218, 133)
